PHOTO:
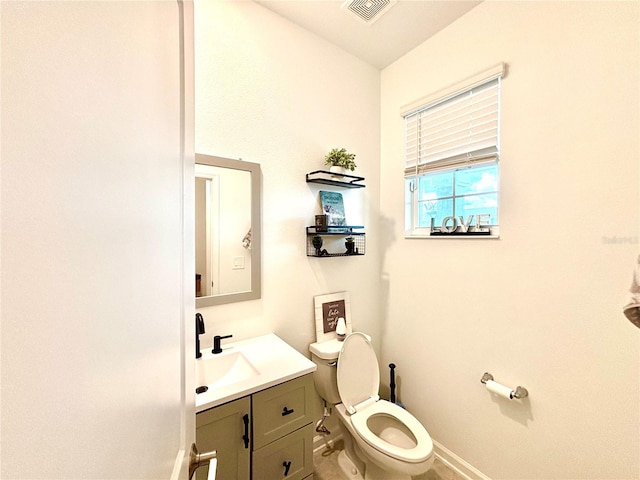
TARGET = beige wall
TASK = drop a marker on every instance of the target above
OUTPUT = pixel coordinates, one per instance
(540, 307)
(271, 93)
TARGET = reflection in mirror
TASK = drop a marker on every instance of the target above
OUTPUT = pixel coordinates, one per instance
(227, 230)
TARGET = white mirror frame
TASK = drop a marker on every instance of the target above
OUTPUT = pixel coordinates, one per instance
(256, 231)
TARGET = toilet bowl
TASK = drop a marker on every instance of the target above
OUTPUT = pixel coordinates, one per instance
(389, 441)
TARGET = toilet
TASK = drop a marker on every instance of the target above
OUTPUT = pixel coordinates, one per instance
(382, 440)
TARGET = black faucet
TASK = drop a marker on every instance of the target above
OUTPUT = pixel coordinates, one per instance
(216, 343)
(199, 331)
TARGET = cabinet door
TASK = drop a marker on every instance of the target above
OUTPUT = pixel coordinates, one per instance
(282, 409)
(223, 429)
(290, 458)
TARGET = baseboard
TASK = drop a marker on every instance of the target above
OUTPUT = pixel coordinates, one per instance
(457, 464)
(320, 442)
(446, 456)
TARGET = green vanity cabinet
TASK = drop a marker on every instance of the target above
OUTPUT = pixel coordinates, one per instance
(222, 429)
(281, 434)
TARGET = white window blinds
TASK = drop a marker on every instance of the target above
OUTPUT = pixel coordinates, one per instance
(459, 129)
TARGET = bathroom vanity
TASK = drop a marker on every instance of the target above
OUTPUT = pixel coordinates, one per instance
(257, 410)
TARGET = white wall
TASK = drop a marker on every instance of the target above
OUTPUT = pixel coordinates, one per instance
(92, 220)
(541, 307)
(271, 93)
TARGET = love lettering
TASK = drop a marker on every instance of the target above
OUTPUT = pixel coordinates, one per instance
(459, 224)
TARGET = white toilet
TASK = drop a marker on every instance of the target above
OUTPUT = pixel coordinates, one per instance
(382, 440)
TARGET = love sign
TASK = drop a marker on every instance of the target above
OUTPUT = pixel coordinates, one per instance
(460, 226)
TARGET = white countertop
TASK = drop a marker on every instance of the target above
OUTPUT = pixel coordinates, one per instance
(274, 360)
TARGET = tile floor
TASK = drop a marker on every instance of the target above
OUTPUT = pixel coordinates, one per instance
(326, 467)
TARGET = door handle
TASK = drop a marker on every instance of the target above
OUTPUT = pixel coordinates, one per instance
(197, 460)
(287, 466)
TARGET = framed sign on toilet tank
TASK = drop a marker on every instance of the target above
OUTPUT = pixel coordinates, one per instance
(328, 309)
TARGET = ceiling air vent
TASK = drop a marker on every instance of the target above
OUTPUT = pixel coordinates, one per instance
(368, 11)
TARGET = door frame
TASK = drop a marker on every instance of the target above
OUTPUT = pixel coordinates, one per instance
(187, 139)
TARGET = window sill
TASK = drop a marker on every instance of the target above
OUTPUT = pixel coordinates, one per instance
(494, 235)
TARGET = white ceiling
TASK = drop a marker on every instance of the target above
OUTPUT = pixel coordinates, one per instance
(395, 32)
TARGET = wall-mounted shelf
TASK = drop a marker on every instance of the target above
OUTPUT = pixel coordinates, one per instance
(334, 243)
(327, 178)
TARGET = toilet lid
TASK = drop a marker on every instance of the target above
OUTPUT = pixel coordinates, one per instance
(358, 375)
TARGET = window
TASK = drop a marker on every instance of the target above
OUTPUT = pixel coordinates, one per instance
(451, 160)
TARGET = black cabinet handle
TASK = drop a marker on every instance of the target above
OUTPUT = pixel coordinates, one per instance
(287, 466)
(245, 437)
(286, 411)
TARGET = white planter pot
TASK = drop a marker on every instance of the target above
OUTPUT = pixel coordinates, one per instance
(337, 170)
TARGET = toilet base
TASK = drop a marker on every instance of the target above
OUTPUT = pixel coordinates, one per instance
(373, 472)
(348, 467)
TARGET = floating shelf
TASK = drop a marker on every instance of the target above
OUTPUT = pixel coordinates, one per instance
(328, 178)
(344, 230)
(333, 244)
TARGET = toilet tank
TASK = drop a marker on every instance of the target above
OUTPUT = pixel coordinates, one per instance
(325, 356)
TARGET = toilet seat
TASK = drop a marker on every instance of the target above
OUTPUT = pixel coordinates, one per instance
(424, 446)
(358, 378)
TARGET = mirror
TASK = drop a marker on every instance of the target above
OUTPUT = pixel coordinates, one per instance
(227, 223)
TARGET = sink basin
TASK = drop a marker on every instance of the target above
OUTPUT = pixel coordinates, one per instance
(245, 367)
(224, 369)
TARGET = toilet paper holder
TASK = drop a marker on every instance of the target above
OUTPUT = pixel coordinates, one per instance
(519, 392)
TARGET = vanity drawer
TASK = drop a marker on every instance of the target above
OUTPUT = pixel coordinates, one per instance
(281, 410)
(290, 458)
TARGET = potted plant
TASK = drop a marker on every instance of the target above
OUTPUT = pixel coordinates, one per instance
(339, 160)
